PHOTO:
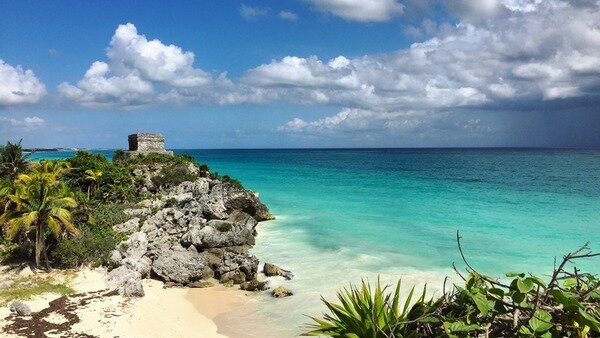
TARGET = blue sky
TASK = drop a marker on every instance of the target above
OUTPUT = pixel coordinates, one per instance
(301, 73)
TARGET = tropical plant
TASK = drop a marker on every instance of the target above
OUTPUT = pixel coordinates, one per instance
(12, 160)
(367, 313)
(526, 306)
(40, 201)
(92, 176)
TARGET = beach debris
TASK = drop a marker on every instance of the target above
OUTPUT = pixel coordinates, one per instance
(270, 270)
(20, 308)
(280, 292)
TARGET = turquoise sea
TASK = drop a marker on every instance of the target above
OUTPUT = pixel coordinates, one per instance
(352, 213)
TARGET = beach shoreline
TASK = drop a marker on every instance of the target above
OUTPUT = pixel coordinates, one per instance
(162, 312)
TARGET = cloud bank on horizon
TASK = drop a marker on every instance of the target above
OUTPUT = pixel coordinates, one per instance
(496, 54)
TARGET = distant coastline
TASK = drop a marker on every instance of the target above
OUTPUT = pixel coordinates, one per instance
(50, 150)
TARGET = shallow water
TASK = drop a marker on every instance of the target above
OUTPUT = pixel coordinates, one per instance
(347, 214)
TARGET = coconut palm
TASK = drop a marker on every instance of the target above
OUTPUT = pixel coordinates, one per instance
(92, 176)
(40, 201)
(12, 160)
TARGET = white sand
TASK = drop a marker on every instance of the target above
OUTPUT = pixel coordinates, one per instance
(160, 313)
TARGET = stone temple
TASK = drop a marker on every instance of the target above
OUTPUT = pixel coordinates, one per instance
(146, 143)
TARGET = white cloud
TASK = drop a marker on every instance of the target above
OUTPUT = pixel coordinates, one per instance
(253, 13)
(415, 123)
(541, 54)
(288, 15)
(135, 64)
(27, 123)
(361, 10)
(18, 86)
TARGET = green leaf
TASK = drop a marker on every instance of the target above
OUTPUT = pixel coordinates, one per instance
(569, 282)
(541, 321)
(517, 297)
(482, 303)
(569, 303)
(496, 291)
(515, 274)
(460, 327)
(525, 331)
(525, 285)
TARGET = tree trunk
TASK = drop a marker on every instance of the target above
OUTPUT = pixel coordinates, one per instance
(39, 244)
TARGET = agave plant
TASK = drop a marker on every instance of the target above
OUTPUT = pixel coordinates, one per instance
(367, 313)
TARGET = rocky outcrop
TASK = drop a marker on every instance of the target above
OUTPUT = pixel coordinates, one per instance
(126, 281)
(187, 234)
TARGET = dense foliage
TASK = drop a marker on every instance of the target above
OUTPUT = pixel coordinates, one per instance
(526, 306)
(64, 211)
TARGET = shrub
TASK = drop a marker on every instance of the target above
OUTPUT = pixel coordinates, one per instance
(119, 156)
(92, 246)
(108, 215)
(172, 175)
(567, 306)
(224, 227)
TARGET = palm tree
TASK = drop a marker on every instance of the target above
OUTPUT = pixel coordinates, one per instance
(12, 160)
(92, 176)
(41, 201)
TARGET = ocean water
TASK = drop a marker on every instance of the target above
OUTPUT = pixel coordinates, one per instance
(343, 215)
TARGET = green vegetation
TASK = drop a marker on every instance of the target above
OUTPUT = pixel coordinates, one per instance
(41, 201)
(172, 175)
(525, 306)
(224, 227)
(63, 212)
(27, 287)
(12, 161)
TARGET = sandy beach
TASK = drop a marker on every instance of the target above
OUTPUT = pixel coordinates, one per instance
(94, 311)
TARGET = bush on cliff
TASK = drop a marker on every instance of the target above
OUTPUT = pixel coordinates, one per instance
(172, 175)
(92, 246)
(568, 305)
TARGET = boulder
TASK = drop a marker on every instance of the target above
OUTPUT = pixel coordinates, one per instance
(234, 198)
(140, 265)
(128, 282)
(130, 226)
(280, 292)
(20, 308)
(137, 212)
(182, 267)
(135, 246)
(254, 285)
(273, 270)
(5, 284)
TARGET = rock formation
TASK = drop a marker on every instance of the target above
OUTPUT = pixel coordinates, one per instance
(187, 234)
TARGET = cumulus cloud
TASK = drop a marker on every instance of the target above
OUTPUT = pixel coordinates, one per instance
(352, 121)
(135, 65)
(540, 54)
(360, 10)
(18, 86)
(27, 123)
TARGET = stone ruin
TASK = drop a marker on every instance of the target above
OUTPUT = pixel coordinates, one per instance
(146, 143)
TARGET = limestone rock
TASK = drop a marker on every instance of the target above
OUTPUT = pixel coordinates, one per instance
(20, 308)
(126, 281)
(182, 267)
(254, 285)
(5, 284)
(273, 270)
(280, 292)
(130, 226)
(137, 212)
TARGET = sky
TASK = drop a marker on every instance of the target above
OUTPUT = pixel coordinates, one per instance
(301, 73)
